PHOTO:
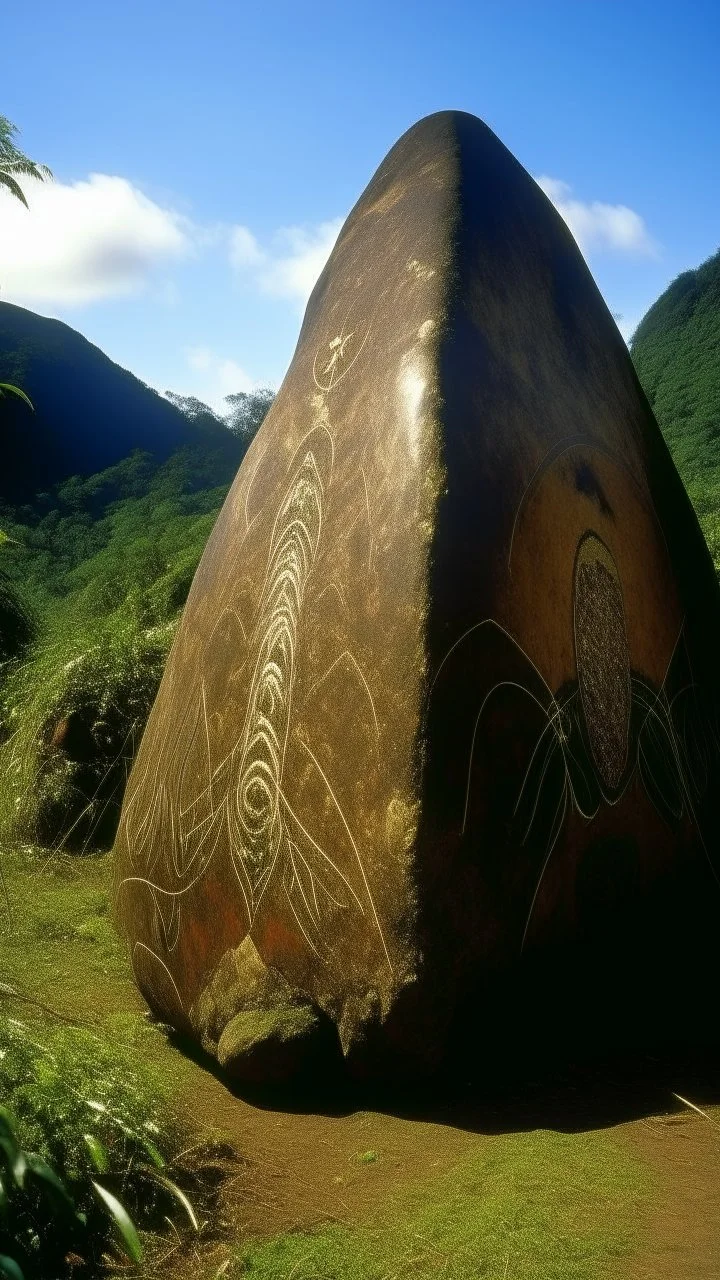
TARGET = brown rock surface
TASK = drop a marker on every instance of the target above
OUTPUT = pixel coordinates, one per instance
(445, 690)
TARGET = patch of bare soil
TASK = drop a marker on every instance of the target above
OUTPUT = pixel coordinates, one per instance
(682, 1224)
(297, 1170)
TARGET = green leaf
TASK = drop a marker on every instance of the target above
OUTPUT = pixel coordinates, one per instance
(13, 187)
(10, 1147)
(7, 388)
(7, 1127)
(178, 1194)
(124, 1223)
(9, 1269)
(98, 1153)
(153, 1153)
(52, 1187)
(19, 1168)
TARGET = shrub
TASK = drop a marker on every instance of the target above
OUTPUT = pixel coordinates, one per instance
(17, 624)
(73, 716)
(78, 1141)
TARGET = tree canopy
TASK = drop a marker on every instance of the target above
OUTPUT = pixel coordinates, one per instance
(15, 164)
(675, 351)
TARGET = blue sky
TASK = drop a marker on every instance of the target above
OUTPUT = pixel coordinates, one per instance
(205, 155)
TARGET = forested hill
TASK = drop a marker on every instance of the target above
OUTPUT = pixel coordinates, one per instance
(676, 351)
(103, 519)
(89, 413)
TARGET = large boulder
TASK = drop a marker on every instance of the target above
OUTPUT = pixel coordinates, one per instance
(445, 692)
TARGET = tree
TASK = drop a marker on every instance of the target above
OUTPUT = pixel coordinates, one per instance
(15, 164)
(192, 407)
(248, 409)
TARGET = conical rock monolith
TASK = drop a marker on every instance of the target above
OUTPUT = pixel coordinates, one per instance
(445, 690)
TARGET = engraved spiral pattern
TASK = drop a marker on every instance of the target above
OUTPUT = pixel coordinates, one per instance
(256, 809)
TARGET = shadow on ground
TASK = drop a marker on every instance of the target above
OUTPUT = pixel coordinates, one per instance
(558, 1091)
(575, 1039)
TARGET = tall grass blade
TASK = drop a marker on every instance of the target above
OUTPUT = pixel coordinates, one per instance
(124, 1223)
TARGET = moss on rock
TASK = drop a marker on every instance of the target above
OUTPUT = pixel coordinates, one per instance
(268, 1029)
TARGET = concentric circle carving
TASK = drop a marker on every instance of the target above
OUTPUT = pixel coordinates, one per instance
(602, 657)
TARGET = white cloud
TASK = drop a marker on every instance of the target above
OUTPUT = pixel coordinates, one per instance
(598, 226)
(210, 377)
(290, 268)
(293, 274)
(244, 248)
(290, 264)
(86, 241)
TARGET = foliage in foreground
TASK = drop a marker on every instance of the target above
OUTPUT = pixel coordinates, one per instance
(79, 1141)
(41, 1226)
(18, 626)
(67, 1082)
(14, 164)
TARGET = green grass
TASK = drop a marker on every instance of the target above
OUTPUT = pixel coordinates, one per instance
(73, 715)
(62, 964)
(530, 1206)
(65, 977)
(63, 1083)
(78, 1058)
(57, 940)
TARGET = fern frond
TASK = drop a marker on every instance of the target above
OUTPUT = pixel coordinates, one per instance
(27, 167)
(13, 187)
(8, 388)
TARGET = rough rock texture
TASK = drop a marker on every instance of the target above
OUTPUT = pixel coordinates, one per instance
(445, 689)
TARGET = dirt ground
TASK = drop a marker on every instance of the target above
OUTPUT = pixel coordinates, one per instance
(342, 1159)
(682, 1230)
(301, 1169)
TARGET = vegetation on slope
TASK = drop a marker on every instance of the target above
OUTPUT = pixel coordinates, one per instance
(676, 352)
(104, 564)
(89, 413)
(97, 539)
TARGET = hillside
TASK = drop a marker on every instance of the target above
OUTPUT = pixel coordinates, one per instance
(676, 352)
(118, 529)
(102, 565)
(89, 413)
(95, 565)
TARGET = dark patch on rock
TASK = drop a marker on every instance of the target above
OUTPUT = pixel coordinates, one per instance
(587, 483)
